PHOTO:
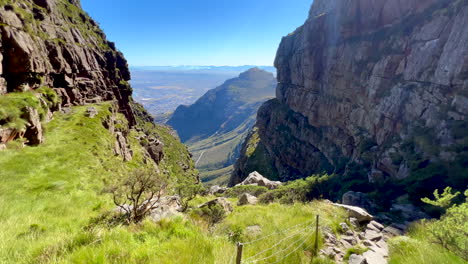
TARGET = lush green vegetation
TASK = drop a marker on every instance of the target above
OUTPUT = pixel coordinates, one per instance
(436, 241)
(13, 106)
(236, 191)
(57, 210)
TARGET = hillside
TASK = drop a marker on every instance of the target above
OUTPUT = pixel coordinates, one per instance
(380, 100)
(216, 124)
(69, 130)
(87, 177)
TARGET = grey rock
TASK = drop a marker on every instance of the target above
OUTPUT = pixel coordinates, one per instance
(166, 207)
(354, 221)
(122, 147)
(3, 88)
(360, 214)
(372, 235)
(256, 178)
(91, 112)
(350, 239)
(344, 227)
(247, 199)
(33, 133)
(356, 259)
(216, 189)
(155, 149)
(374, 258)
(375, 226)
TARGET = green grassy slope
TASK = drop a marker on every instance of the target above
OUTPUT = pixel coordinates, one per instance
(52, 201)
(51, 192)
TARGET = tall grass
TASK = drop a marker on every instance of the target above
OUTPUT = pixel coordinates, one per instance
(416, 248)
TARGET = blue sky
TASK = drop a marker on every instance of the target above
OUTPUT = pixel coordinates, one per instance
(198, 32)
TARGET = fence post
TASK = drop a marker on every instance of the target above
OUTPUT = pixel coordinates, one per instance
(316, 236)
(240, 246)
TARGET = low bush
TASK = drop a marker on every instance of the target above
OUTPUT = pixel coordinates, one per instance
(254, 190)
(302, 190)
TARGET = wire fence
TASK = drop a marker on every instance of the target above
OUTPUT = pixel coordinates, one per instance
(296, 236)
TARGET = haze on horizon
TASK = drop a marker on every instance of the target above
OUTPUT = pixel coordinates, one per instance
(209, 32)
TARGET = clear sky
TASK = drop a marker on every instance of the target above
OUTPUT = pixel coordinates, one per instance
(198, 32)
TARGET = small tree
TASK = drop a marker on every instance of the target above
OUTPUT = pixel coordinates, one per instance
(187, 192)
(138, 193)
(443, 200)
(451, 231)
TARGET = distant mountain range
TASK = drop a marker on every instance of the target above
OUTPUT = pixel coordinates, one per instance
(201, 68)
(216, 124)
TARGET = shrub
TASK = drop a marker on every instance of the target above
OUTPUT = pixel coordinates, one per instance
(138, 193)
(302, 190)
(451, 231)
(254, 190)
(212, 214)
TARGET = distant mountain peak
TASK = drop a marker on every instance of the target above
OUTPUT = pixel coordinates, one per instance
(255, 73)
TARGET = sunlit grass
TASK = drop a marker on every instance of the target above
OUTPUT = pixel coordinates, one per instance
(52, 194)
(416, 248)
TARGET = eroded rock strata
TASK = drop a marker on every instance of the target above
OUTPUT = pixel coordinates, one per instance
(375, 88)
(54, 43)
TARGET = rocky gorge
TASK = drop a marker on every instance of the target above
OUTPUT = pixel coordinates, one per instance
(375, 91)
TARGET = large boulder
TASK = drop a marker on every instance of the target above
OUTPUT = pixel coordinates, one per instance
(357, 212)
(246, 199)
(163, 207)
(166, 207)
(256, 178)
(356, 259)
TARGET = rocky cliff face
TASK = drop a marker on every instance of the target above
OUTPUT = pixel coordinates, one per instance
(53, 56)
(372, 88)
(54, 43)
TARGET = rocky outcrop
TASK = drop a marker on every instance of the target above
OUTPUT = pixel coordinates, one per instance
(216, 189)
(359, 213)
(162, 208)
(54, 43)
(371, 242)
(257, 179)
(375, 90)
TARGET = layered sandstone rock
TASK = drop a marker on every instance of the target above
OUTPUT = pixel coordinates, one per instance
(370, 84)
(54, 43)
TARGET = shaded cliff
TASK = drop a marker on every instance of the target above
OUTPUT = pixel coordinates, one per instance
(54, 43)
(375, 91)
(54, 56)
(215, 126)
